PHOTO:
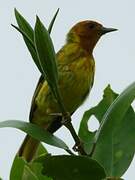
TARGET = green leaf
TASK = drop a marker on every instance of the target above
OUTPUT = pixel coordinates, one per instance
(36, 168)
(24, 25)
(98, 111)
(115, 144)
(28, 34)
(41, 150)
(17, 173)
(27, 171)
(52, 21)
(36, 132)
(71, 168)
(25, 36)
(46, 54)
(28, 174)
(113, 178)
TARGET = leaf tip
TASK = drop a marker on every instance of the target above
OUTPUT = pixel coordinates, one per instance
(12, 25)
(16, 12)
(38, 22)
(58, 10)
(37, 18)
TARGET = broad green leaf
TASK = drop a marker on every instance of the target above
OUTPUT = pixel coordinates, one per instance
(71, 168)
(28, 34)
(21, 170)
(17, 173)
(98, 111)
(52, 21)
(36, 168)
(28, 174)
(36, 132)
(46, 54)
(115, 144)
(74, 167)
(41, 150)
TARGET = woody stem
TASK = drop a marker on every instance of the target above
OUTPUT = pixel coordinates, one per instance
(68, 124)
(78, 144)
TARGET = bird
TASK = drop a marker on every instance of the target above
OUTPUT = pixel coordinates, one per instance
(76, 69)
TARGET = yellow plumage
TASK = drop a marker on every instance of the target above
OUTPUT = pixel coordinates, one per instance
(75, 81)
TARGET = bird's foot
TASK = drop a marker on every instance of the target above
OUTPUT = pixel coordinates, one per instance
(77, 147)
(55, 114)
(65, 118)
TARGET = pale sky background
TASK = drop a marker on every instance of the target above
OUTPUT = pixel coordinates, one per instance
(114, 54)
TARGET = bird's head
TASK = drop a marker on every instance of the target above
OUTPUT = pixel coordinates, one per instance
(87, 33)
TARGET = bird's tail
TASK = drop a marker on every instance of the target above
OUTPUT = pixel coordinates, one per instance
(28, 148)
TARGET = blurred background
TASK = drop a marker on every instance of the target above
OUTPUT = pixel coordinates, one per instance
(114, 55)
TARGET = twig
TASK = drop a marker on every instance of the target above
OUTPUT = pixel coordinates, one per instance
(70, 152)
(68, 124)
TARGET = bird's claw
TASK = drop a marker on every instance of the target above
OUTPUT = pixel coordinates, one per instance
(65, 118)
(55, 114)
(76, 147)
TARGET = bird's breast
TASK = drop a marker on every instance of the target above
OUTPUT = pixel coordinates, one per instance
(76, 80)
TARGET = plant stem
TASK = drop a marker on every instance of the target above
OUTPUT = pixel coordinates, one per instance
(78, 144)
(70, 152)
(68, 124)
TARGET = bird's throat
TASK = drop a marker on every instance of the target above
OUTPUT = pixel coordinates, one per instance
(88, 44)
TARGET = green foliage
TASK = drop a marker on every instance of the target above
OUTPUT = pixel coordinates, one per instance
(36, 132)
(114, 134)
(98, 111)
(36, 168)
(71, 167)
(46, 54)
(28, 174)
(52, 21)
(28, 35)
(17, 173)
(112, 151)
(28, 170)
(115, 145)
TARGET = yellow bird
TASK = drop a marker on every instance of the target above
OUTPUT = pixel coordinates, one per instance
(76, 68)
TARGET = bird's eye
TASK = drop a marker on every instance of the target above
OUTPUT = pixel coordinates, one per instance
(92, 26)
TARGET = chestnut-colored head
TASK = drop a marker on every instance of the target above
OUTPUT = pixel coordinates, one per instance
(87, 34)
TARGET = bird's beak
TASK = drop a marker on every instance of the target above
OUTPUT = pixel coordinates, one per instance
(105, 30)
